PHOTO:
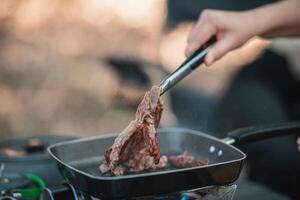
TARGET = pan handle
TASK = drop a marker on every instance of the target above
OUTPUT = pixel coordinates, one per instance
(255, 133)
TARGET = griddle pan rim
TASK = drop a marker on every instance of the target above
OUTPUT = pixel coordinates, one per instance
(130, 176)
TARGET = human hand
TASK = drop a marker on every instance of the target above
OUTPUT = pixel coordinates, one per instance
(231, 29)
(298, 143)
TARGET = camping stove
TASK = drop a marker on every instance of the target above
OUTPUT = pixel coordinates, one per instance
(19, 187)
(67, 191)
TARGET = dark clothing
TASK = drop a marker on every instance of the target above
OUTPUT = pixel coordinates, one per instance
(266, 92)
(263, 92)
(189, 10)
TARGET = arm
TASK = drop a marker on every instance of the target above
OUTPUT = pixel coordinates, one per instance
(281, 19)
(233, 29)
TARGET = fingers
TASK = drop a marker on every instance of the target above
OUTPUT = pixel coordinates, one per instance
(218, 50)
(200, 34)
(298, 143)
(222, 25)
(196, 42)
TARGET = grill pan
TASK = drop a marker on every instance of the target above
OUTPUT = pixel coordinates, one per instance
(79, 160)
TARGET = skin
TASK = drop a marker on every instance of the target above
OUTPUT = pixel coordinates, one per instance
(233, 29)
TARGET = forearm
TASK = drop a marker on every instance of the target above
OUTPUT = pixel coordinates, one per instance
(280, 19)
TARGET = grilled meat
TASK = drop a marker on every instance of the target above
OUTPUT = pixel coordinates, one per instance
(186, 160)
(138, 140)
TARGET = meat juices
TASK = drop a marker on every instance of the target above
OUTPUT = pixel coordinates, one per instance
(136, 146)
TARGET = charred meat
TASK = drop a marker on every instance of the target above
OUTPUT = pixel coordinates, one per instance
(143, 161)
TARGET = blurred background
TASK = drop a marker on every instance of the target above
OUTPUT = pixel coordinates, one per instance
(80, 67)
(61, 64)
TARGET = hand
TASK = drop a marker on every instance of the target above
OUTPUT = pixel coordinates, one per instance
(232, 29)
(298, 143)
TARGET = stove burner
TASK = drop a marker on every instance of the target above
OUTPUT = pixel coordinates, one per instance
(15, 186)
(12, 181)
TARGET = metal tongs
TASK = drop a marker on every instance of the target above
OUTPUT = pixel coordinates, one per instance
(191, 63)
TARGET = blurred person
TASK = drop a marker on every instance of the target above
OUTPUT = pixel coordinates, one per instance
(260, 86)
(233, 29)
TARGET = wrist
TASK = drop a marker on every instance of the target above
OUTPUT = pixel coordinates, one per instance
(259, 22)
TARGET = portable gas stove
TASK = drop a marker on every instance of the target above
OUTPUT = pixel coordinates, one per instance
(32, 187)
(67, 191)
(16, 185)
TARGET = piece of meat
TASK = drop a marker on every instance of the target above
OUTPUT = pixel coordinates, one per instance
(143, 161)
(140, 134)
(186, 160)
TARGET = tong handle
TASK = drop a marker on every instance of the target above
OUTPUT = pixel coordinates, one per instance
(197, 58)
(190, 64)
